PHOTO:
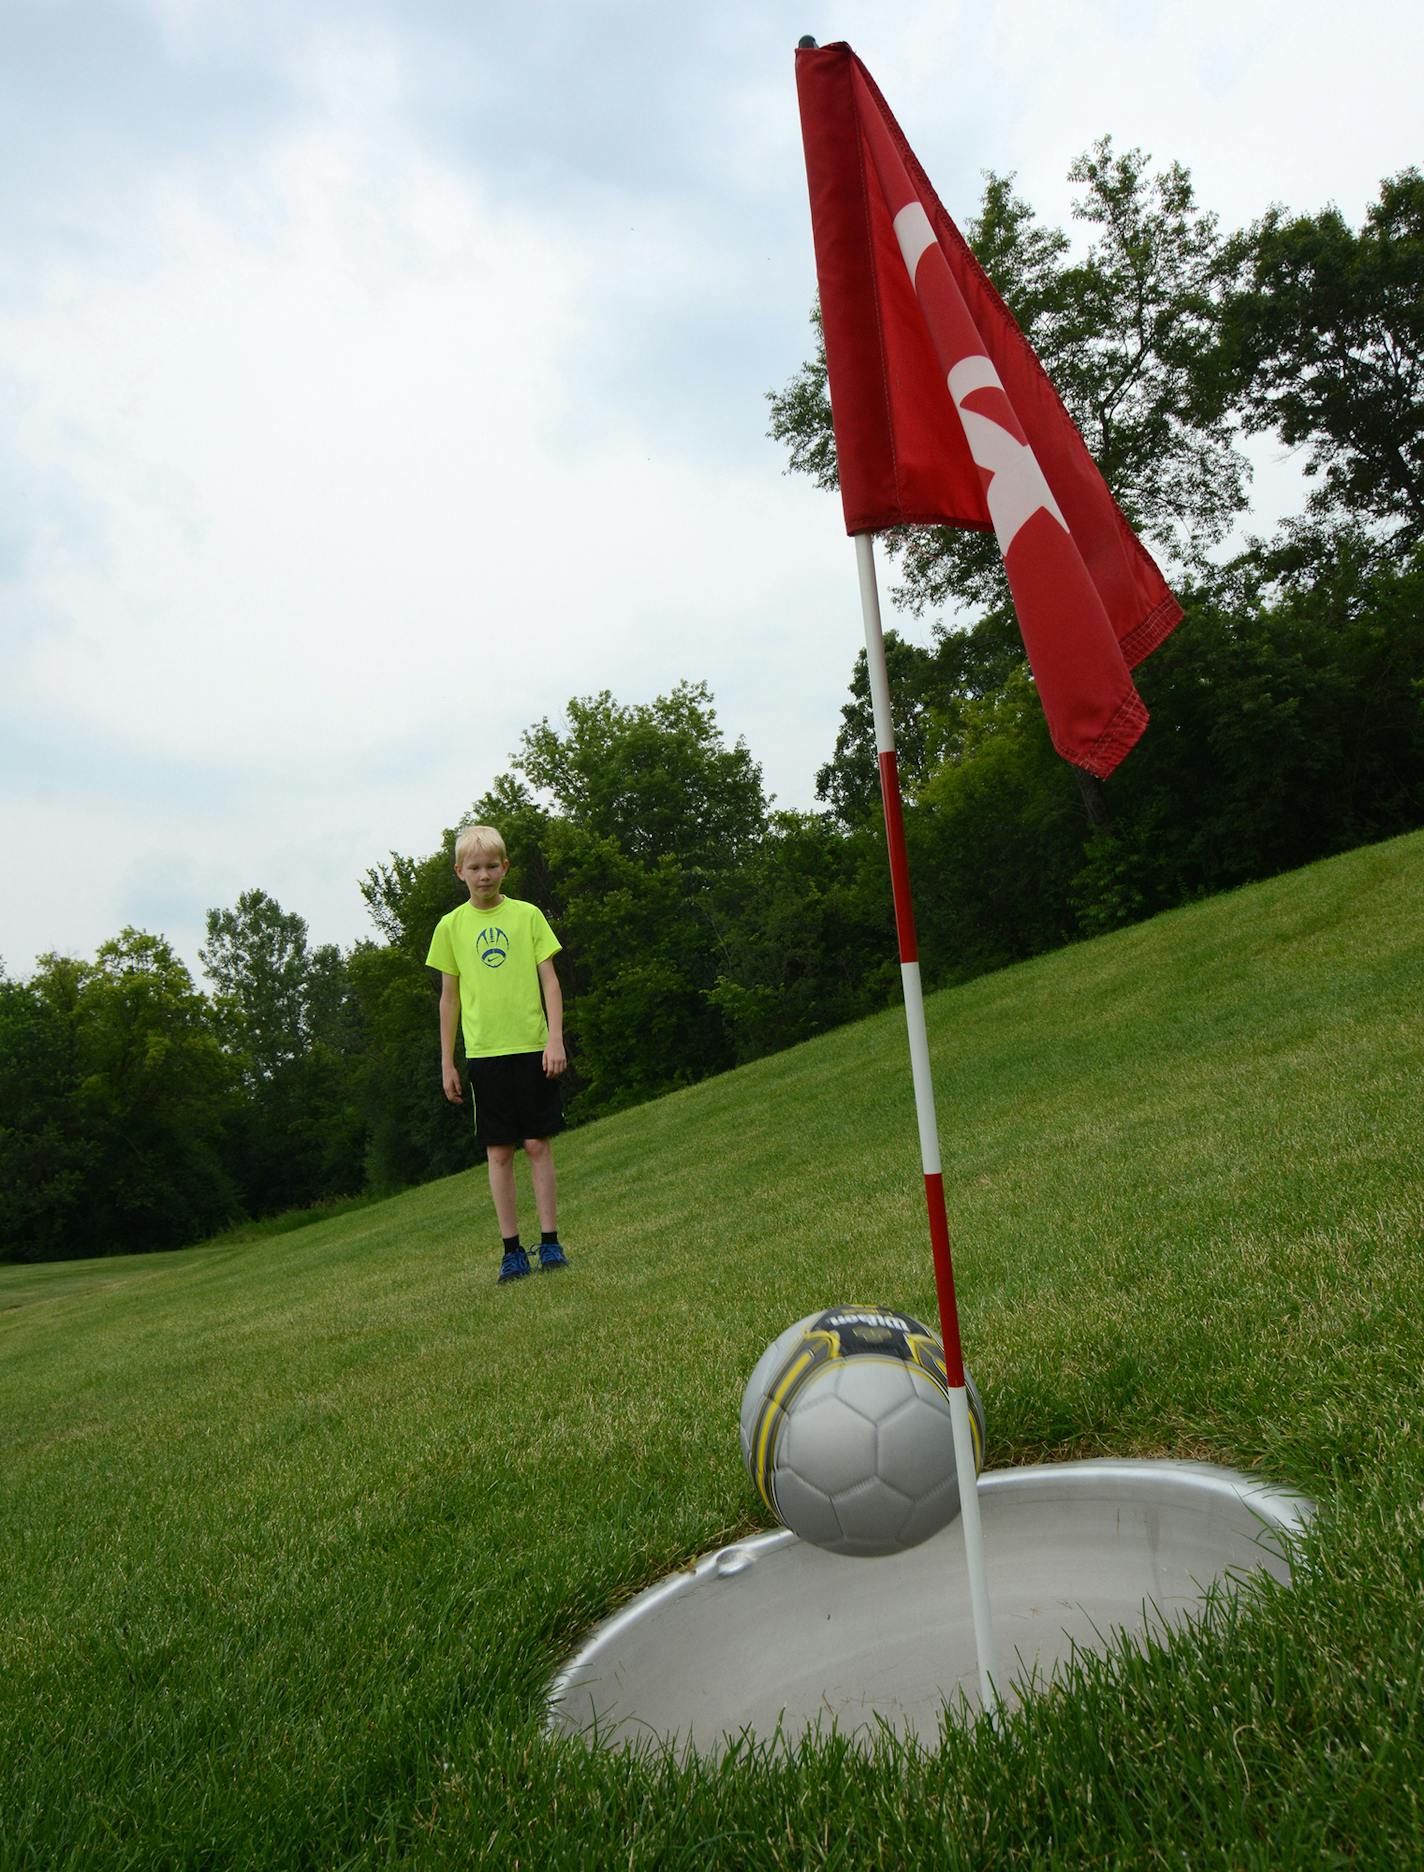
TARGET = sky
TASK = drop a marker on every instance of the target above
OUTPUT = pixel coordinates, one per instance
(376, 375)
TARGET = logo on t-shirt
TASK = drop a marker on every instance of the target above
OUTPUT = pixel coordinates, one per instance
(492, 946)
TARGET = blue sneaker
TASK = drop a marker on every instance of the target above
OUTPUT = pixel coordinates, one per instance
(515, 1265)
(551, 1256)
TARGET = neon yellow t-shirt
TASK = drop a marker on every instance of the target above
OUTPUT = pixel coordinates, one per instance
(496, 954)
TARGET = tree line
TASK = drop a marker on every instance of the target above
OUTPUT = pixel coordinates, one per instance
(703, 927)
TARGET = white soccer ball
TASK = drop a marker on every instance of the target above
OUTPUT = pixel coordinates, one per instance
(846, 1431)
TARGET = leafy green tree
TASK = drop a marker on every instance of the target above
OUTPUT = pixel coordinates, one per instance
(653, 818)
(995, 839)
(152, 1091)
(289, 1025)
(1323, 343)
(274, 997)
(1133, 347)
(411, 1134)
(929, 689)
(656, 777)
(644, 942)
(812, 943)
(1284, 729)
(47, 1160)
(849, 783)
(407, 897)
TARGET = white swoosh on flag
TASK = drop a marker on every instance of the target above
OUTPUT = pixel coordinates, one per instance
(1017, 485)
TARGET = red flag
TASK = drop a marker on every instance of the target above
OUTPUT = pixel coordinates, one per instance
(943, 415)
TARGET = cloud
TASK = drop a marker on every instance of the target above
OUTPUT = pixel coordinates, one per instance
(382, 377)
(312, 437)
(343, 490)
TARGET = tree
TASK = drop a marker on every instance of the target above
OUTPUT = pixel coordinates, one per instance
(653, 821)
(995, 839)
(928, 693)
(288, 1022)
(812, 944)
(657, 777)
(411, 1133)
(1284, 729)
(151, 1091)
(47, 1159)
(1323, 343)
(274, 996)
(407, 897)
(849, 782)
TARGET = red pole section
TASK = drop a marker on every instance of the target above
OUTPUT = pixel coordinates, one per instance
(899, 858)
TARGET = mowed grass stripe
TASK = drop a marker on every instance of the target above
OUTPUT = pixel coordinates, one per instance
(296, 1528)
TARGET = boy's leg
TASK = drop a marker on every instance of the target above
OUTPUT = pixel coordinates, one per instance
(546, 1189)
(496, 1127)
(546, 1197)
(501, 1182)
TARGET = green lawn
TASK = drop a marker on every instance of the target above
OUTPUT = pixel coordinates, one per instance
(296, 1528)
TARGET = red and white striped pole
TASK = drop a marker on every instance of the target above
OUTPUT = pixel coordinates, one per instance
(925, 1114)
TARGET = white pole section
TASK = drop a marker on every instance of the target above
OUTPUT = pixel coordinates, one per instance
(929, 1131)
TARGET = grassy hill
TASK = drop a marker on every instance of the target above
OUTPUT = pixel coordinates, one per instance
(294, 1530)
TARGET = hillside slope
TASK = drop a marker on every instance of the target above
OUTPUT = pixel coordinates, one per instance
(295, 1530)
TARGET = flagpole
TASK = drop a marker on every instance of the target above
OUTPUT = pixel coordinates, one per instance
(929, 1131)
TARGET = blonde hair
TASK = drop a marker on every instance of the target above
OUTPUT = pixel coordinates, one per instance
(472, 838)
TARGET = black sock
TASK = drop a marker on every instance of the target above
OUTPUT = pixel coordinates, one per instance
(511, 1242)
(546, 1236)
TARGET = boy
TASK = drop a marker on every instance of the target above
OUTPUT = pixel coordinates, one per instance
(496, 961)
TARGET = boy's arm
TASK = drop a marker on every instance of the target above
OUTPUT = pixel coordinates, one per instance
(555, 1058)
(449, 1019)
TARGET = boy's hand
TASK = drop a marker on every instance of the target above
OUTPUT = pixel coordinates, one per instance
(450, 1078)
(555, 1059)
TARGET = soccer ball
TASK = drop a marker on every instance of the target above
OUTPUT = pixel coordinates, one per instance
(846, 1431)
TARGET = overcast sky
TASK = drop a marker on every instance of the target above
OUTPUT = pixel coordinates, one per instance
(378, 374)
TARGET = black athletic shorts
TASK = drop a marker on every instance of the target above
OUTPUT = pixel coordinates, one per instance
(514, 1099)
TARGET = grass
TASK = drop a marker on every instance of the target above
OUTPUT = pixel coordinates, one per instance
(296, 1528)
(288, 1221)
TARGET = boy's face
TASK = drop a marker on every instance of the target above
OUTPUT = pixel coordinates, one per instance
(482, 873)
